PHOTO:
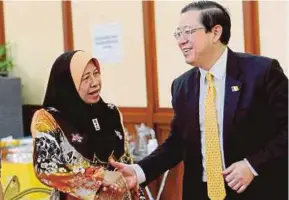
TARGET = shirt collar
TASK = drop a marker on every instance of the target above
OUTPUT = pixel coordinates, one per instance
(219, 68)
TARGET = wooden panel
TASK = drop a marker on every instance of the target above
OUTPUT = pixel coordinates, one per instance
(163, 116)
(67, 25)
(134, 115)
(150, 59)
(2, 25)
(173, 186)
(251, 27)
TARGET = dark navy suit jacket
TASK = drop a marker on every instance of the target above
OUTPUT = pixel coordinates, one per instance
(255, 127)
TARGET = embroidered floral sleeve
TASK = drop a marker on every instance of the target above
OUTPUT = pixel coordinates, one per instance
(58, 166)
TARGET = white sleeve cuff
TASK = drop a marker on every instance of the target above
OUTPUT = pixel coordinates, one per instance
(251, 168)
(141, 177)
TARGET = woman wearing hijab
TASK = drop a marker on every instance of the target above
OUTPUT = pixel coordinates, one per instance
(76, 134)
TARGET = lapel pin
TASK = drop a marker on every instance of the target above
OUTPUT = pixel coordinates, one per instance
(235, 88)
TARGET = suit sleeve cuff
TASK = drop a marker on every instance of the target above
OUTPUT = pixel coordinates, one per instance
(141, 178)
(250, 167)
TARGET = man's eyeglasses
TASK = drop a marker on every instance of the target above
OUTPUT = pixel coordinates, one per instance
(186, 32)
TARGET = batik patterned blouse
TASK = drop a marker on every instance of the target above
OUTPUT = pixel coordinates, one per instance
(64, 160)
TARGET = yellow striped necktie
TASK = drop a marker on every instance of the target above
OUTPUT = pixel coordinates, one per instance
(215, 180)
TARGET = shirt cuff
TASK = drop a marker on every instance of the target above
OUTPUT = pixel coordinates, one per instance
(141, 177)
(250, 167)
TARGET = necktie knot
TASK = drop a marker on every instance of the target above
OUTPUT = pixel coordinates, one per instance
(209, 77)
(211, 85)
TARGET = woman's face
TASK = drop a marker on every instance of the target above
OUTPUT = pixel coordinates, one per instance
(90, 84)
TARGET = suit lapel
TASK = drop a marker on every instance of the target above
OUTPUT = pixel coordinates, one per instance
(232, 93)
(192, 94)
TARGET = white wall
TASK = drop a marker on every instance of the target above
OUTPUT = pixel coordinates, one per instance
(274, 31)
(170, 61)
(37, 39)
(124, 83)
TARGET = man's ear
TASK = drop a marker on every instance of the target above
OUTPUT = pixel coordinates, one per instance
(217, 32)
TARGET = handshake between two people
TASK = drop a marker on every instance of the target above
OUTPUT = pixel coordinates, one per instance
(124, 180)
(119, 184)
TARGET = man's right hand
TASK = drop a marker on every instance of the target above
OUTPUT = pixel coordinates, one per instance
(128, 173)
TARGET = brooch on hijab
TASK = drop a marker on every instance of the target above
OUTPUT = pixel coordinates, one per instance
(110, 105)
(76, 138)
(52, 109)
(118, 134)
(96, 124)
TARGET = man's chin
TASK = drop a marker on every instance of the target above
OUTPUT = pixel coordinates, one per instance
(189, 61)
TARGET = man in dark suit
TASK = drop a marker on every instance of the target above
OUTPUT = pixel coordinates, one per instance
(231, 117)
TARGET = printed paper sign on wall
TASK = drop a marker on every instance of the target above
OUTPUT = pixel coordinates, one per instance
(107, 45)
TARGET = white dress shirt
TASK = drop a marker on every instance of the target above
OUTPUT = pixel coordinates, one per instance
(218, 70)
